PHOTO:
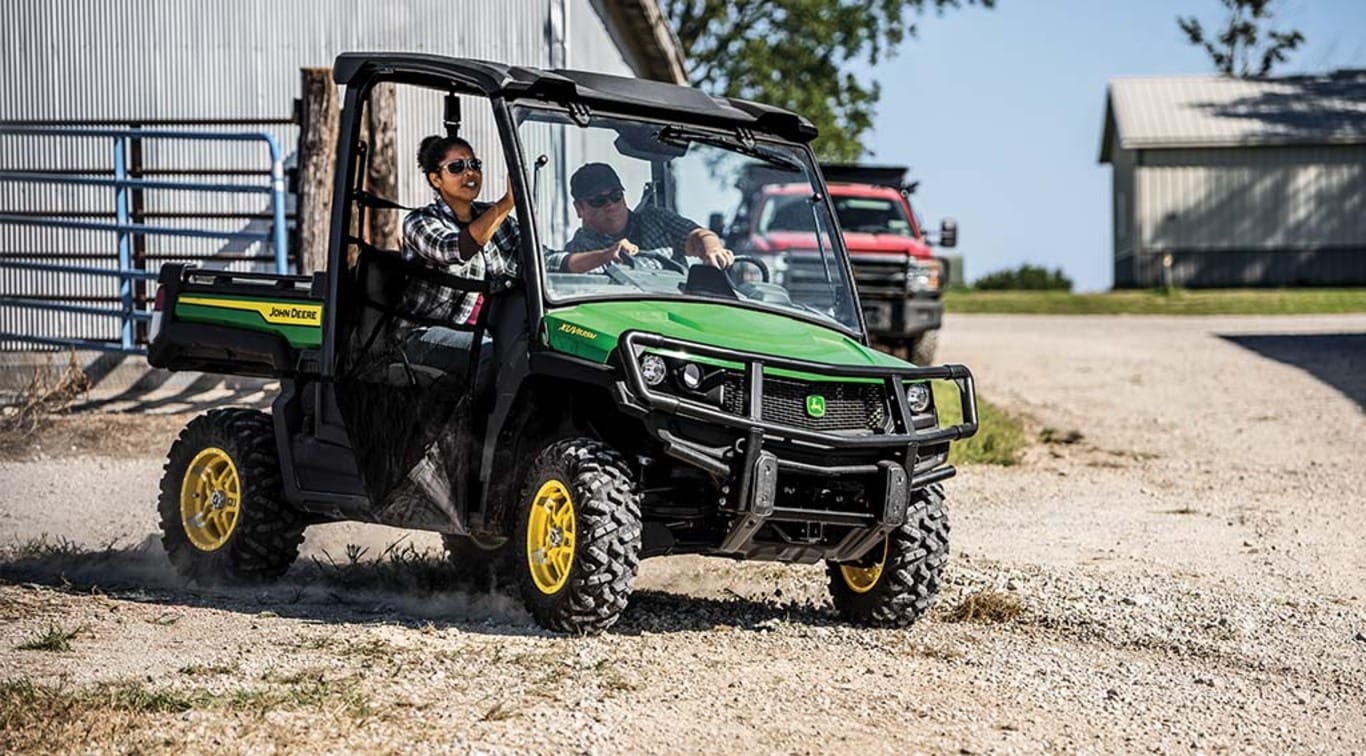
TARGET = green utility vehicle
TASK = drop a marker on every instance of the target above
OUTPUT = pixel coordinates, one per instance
(653, 406)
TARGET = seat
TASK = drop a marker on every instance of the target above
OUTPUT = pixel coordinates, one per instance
(413, 348)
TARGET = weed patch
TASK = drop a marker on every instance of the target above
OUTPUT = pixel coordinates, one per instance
(53, 639)
(43, 718)
(209, 670)
(49, 391)
(399, 568)
(1000, 438)
(987, 606)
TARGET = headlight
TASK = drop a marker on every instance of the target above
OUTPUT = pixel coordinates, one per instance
(918, 396)
(652, 369)
(691, 375)
(923, 275)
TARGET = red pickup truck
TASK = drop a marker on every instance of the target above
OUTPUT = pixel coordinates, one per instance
(899, 280)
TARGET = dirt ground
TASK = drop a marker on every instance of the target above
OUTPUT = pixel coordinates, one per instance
(1188, 574)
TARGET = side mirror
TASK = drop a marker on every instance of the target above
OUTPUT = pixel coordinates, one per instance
(948, 233)
(717, 223)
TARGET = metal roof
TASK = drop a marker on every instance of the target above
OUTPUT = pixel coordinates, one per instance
(649, 33)
(1217, 111)
(605, 91)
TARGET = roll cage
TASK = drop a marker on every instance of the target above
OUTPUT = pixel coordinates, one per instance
(578, 93)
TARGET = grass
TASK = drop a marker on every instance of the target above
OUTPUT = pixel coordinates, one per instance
(1000, 438)
(210, 670)
(53, 639)
(45, 547)
(986, 606)
(49, 391)
(45, 718)
(1158, 302)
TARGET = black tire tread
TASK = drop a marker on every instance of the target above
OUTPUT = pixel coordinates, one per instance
(266, 540)
(921, 349)
(607, 512)
(916, 555)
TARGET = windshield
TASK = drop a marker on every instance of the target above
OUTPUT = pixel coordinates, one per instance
(868, 215)
(633, 209)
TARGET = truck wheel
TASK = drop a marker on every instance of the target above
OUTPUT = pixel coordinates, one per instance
(578, 526)
(895, 583)
(224, 518)
(920, 349)
(479, 560)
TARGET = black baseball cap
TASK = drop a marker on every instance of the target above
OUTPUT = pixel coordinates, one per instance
(592, 179)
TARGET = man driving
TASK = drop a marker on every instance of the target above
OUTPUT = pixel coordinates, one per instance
(611, 231)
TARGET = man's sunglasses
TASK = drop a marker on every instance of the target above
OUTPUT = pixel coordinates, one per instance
(457, 167)
(613, 197)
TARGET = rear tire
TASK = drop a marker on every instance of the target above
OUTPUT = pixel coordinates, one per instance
(224, 518)
(896, 583)
(578, 536)
(920, 350)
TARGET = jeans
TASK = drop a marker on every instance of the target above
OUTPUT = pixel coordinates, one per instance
(447, 350)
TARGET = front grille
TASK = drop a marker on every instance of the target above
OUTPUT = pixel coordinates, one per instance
(875, 275)
(848, 406)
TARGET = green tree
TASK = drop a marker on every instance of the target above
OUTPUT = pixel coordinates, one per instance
(1026, 277)
(797, 54)
(1244, 39)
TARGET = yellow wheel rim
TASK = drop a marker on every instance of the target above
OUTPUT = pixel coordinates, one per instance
(550, 537)
(210, 499)
(862, 579)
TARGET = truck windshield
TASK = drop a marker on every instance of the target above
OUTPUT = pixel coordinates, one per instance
(661, 189)
(868, 215)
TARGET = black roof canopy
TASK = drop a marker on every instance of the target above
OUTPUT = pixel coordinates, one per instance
(618, 94)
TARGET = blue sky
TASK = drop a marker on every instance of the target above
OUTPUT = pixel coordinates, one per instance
(999, 114)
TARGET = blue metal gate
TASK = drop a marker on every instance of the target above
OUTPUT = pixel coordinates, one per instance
(131, 273)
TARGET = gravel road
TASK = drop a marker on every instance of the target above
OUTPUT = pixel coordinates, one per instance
(1190, 574)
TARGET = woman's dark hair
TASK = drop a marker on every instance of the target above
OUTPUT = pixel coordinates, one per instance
(434, 148)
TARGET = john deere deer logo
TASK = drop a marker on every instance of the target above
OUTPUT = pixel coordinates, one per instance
(815, 405)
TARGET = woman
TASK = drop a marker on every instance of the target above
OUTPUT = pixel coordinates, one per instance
(458, 235)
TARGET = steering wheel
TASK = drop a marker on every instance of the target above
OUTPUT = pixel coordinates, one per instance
(756, 262)
(665, 261)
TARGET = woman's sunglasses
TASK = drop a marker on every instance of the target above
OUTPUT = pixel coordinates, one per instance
(457, 167)
(602, 200)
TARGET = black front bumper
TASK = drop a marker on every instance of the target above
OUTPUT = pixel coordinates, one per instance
(761, 454)
(894, 320)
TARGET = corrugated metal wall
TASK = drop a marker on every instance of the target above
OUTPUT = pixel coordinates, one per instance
(1251, 216)
(137, 60)
(1122, 217)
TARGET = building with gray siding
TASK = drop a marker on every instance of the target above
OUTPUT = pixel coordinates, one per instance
(1238, 182)
(114, 62)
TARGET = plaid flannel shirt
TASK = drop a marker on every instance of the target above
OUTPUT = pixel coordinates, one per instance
(650, 228)
(431, 235)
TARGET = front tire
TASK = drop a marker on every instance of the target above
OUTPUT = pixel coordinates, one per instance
(898, 581)
(578, 529)
(224, 518)
(920, 350)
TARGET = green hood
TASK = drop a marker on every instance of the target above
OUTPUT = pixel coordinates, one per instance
(591, 331)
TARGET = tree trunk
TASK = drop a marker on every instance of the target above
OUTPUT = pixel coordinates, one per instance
(381, 178)
(317, 166)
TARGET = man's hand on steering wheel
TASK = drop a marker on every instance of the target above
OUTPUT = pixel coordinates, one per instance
(616, 252)
(714, 253)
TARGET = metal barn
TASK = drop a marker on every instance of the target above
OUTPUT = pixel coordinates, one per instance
(230, 65)
(1238, 182)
